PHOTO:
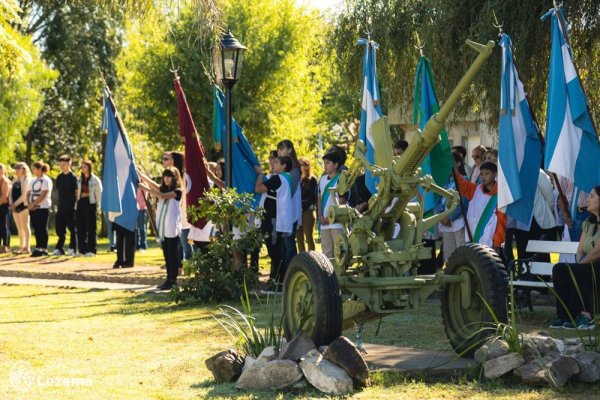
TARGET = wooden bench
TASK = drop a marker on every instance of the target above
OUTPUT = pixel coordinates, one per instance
(533, 274)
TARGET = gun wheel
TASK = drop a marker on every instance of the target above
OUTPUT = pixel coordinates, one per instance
(311, 299)
(467, 320)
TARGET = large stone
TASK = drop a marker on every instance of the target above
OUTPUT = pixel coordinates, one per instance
(324, 375)
(225, 366)
(268, 354)
(501, 365)
(549, 345)
(297, 347)
(589, 365)
(493, 348)
(277, 374)
(554, 369)
(344, 353)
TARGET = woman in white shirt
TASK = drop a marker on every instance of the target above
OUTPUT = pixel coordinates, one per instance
(38, 203)
(18, 205)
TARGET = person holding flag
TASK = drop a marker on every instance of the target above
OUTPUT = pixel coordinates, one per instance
(485, 221)
(120, 178)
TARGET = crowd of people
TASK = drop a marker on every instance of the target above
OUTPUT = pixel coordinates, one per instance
(295, 200)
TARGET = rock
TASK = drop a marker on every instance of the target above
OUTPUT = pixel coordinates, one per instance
(554, 369)
(277, 374)
(501, 365)
(344, 353)
(297, 347)
(268, 354)
(493, 348)
(225, 366)
(248, 363)
(549, 345)
(324, 375)
(589, 365)
(323, 349)
(572, 349)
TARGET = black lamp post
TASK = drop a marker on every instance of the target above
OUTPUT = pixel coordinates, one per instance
(227, 62)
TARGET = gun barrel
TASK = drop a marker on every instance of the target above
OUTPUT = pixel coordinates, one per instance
(422, 143)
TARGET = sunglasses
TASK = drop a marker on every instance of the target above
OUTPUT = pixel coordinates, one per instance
(476, 157)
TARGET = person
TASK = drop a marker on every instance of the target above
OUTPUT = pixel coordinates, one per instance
(452, 227)
(576, 285)
(329, 232)
(142, 221)
(477, 154)
(185, 249)
(168, 221)
(491, 155)
(308, 187)
(359, 195)
(543, 221)
(5, 186)
(279, 223)
(38, 203)
(285, 148)
(400, 147)
(89, 197)
(462, 150)
(66, 184)
(18, 205)
(486, 222)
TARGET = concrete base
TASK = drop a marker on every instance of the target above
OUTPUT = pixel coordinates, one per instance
(413, 362)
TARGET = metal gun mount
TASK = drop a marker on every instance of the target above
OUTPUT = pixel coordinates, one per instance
(373, 273)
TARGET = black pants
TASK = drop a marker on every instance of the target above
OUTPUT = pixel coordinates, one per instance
(65, 219)
(39, 223)
(4, 226)
(125, 246)
(428, 267)
(86, 226)
(534, 233)
(171, 252)
(274, 243)
(587, 277)
(508, 246)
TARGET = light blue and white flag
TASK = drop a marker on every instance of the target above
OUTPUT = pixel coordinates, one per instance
(371, 107)
(120, 179)
(520, 146)
(572, 145)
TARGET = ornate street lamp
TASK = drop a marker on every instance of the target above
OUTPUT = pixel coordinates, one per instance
(227, 62)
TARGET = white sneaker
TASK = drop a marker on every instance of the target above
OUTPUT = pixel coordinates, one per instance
(58, 252)
(71, 252)
(90, 254)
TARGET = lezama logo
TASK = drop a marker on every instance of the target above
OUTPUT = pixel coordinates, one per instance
(22, 376)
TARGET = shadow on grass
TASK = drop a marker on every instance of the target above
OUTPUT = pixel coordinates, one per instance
(228, 390)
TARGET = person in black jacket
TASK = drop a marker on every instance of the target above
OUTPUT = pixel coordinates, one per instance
(66, 184)
(308, 192)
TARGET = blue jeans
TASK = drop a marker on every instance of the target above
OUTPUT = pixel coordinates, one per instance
(142, 230)
(575, 230)
(185, 249)
(289, 247)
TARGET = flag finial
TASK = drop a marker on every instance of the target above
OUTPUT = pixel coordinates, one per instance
(419, 46)
(497, 24)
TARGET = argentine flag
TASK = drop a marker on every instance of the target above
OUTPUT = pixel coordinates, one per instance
(572, 146)
(371, 107)
(520, 147)
(120, 179)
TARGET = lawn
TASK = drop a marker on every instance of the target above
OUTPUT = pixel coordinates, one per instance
(134, 345)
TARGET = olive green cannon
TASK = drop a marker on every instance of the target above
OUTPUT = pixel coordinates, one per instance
(374, 272)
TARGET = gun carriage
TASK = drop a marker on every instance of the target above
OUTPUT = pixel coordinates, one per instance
(373, 273)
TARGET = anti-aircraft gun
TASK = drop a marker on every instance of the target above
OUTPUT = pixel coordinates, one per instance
(374, 273)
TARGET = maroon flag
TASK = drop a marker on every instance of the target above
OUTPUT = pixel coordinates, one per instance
(197, 178)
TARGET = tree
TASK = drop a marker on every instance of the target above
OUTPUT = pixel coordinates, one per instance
(81, 48)
(23, 77)
(283, 85)
(443, 26)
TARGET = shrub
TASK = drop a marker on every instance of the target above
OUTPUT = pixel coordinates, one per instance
(219, 273)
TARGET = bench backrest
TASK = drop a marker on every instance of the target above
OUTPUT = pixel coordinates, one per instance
(543, 246)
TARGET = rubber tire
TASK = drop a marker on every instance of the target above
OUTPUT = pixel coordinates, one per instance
(326, 325)
(489, 278)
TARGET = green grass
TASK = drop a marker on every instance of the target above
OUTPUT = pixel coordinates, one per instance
(143, 346)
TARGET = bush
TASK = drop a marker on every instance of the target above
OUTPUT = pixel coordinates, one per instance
(219, 273)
